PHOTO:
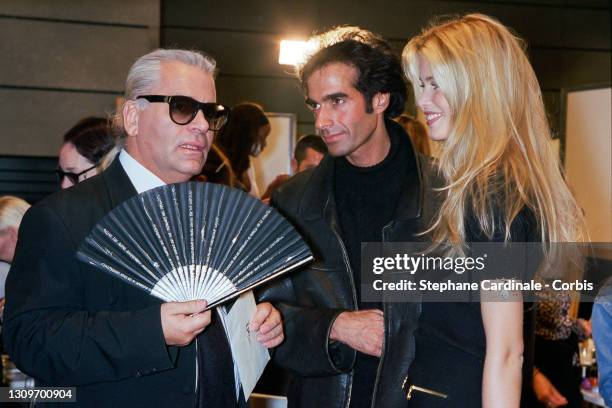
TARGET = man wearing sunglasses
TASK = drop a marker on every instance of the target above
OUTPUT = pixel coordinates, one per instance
(68, 324)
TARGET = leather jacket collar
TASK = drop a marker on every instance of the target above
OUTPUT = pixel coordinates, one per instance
(318, 200)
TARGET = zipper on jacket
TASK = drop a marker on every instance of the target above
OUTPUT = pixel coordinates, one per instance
(421, 389)
(354, 292)
(382, 353)
(382, 356)
(348, 267)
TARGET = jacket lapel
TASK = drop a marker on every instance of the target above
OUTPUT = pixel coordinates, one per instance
(318, 200)
(118, 184)
(119, 188)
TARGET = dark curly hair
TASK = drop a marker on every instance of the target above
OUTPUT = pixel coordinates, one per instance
(379, 68)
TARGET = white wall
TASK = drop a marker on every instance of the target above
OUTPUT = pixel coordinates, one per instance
(588, 157)
(275, 159)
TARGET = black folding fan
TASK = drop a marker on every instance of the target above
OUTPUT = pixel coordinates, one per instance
(194, 240)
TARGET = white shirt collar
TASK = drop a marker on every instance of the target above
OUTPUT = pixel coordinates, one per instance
(139, 175)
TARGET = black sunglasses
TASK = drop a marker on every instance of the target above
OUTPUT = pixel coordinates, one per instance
(73, 177)
(184, 109)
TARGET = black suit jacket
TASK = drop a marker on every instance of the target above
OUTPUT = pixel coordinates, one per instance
(67, 324)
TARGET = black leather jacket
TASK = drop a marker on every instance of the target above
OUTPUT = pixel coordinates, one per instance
(311, 299)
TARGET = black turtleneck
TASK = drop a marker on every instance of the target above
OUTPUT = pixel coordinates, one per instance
(366, 200)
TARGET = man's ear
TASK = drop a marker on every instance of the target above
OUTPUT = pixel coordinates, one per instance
(294, 166)
(131, 114)
(380, 102)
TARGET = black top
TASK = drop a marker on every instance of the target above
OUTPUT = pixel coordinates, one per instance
(450, 338)
(366, 198)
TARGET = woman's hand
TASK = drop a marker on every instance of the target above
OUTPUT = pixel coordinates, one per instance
(545, 392)
(586, 327)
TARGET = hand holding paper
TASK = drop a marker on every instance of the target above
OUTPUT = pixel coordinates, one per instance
(267, 321)
(249, 354)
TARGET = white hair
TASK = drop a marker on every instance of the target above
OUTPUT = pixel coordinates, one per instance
(145, 74)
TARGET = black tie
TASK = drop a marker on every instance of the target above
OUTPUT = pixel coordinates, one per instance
(216, 369)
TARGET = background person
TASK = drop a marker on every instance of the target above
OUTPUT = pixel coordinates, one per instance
(602, 335)
(83, 153)
(12, 210)
(557, 376)
(309, 151)
(244, 136)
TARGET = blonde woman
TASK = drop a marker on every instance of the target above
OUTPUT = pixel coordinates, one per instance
(11, 213)
(481, 97)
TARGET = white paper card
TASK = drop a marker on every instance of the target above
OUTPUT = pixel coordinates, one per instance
(249, 355)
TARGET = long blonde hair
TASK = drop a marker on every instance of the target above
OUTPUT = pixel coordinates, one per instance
(498, 156)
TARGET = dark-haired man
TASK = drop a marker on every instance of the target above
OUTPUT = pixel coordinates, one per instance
(309, 152)
(371, 187)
